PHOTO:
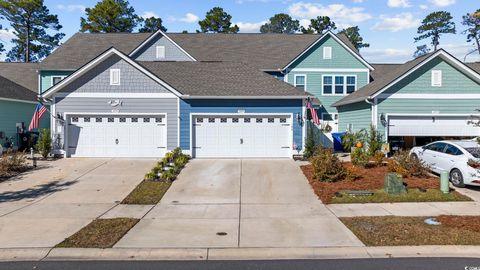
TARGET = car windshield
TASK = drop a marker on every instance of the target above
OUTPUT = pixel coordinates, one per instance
(475, 151)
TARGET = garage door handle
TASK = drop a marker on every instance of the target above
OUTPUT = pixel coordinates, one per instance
(162, 147)
(286, 125)
(241, 141)
(285, 147)
(161, 125)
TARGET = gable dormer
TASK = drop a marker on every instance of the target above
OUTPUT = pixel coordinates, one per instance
(159, 47)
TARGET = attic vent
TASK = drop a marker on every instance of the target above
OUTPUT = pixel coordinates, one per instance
(114, 76)
(160, 52)
(327, 52)
(436, 78)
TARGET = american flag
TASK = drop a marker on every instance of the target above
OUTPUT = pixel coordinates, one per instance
(39, 111)
(313, 113)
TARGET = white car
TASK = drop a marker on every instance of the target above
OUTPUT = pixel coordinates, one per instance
(454, 157)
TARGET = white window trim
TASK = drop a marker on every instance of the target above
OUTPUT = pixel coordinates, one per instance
(157, 52)
(344, 85)
(111, 76)
(327, 56)
(439, 73)
(305, 81)
(59, 76)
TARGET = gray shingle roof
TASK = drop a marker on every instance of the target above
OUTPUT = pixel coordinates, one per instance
(83, 47)
(382, 69)
(382, 79)
(475, 66)
(261, 51)
(11, 90)
(24, 74)
(220, 79)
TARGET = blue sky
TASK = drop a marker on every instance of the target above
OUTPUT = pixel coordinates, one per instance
(388, 25)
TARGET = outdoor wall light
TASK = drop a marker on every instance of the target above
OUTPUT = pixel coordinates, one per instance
(383, 119)
(299, 118)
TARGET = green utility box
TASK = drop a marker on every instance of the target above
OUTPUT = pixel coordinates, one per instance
(393, 184)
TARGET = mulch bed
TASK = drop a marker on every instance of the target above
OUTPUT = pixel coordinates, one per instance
(412, 231)
(147, 192)
(371, 179)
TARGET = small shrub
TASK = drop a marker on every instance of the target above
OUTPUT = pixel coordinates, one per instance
(168, 157)
(327, 167)
(374, 141)
(181, 161)
(12, 162)
(151, 176)
(176, 153)
(378, 158)
(407, 166)
(44, 144)
(359, 157)
(353, 173)
(309, 143)
(349, 140)
(169, 175)
(157, 169)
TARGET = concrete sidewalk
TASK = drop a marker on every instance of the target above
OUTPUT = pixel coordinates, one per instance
(406, 209)
(204, 254)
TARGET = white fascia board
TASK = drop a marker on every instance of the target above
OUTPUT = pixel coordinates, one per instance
(449, 58)
(18, 100)
(117, 95)
(98, 60)
(339, 41)
(167, 37)
(329, 70)
(429, 96)
(245, 97)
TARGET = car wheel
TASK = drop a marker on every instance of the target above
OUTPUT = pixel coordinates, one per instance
(414, 156)
(456, 177)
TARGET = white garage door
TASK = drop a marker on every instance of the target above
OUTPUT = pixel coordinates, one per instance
(253, 136)
(435, 125)
(116, 136)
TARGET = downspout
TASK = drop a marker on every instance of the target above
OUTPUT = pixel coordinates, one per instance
(374, 113)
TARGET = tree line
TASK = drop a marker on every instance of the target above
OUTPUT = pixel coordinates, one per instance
(37, 31)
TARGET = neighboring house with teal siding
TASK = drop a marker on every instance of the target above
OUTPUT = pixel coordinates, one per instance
(18, 98)
(431, 97)
(330, 69)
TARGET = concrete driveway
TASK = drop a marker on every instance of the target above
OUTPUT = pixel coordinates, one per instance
(239, 203)
(42, 207)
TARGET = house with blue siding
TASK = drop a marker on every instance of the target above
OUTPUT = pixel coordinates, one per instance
(243, 95)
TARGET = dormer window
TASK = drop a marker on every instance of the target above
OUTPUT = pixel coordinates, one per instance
(436, 78)
(327, 52)
(300, 82)
(160, 52)
(114, 76)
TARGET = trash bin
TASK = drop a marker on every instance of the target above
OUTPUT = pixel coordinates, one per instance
(337, 141)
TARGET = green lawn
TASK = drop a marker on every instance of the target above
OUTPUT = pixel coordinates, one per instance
(147, 192)
(413, 195)
(100, 233)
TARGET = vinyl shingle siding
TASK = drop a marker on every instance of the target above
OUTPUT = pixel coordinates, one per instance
(97, 80)
(341, 57)
(172, 52)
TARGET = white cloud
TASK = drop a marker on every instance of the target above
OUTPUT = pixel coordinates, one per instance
(388, 55)
(71, 8)
(188, 18)
(460, 50)
(149, 14)
(246, 27)
(358, 1)
(423, 7)
(442, 3)
(396, 23)
(399, 3)
(6, 34)
(341, 14)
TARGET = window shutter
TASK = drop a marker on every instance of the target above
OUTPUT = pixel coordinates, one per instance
(114, 76)
(327, 52)
(160, 52)
(436, 78)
